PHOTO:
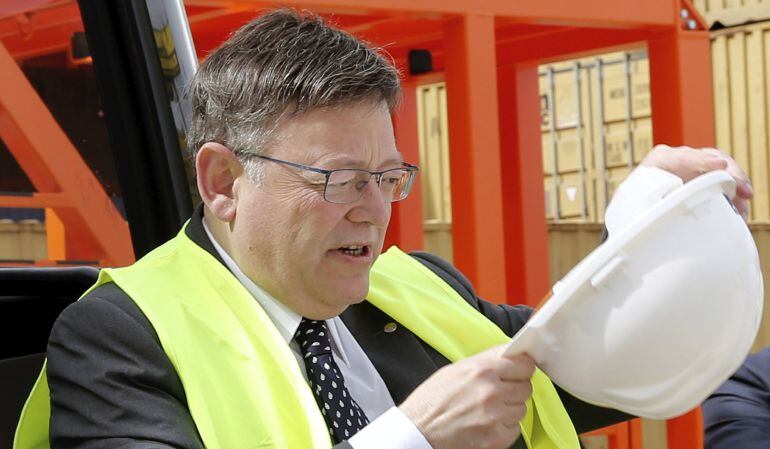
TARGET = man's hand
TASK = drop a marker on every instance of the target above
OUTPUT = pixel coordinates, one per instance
(477, 402)
(689, 163)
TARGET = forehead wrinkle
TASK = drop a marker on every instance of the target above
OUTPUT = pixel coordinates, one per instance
(332, 138)
(347, 161)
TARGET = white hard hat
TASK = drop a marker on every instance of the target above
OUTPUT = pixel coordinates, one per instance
(657, 317)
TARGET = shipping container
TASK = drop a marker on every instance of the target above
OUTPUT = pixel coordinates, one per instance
(434, 169)
(22, 240)
(727, 13)
(593, 133)
(741, 65)
(596, 125)
(619, 130)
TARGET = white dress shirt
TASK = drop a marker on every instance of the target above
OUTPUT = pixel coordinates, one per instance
(388, 427)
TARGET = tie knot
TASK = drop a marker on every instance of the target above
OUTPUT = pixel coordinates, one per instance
(313, 338)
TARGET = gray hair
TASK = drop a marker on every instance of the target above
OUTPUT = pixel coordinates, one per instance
(282, 64)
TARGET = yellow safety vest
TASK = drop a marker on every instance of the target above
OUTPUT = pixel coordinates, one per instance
(243, 385)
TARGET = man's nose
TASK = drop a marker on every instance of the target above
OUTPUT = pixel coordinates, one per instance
(372, 207)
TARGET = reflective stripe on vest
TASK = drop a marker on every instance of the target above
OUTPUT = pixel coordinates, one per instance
(243, 385)
(419, 299)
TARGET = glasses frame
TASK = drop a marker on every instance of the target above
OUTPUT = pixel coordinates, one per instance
(411, 168)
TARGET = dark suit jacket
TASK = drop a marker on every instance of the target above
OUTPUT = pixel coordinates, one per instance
(113, 386)
(737, 415)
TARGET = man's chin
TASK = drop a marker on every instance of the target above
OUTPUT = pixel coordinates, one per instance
(334, 308)
(333, 298)
(355, 295)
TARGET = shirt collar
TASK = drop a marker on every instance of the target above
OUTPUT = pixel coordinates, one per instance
(285, 320)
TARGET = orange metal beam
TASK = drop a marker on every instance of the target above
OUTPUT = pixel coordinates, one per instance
(55, 236)
(14, 7)
(36, 200)
(405, 228)
(38, 28)
(610, 13)
(222, 11)
(416, 33)
(681, 88)
(96, 230)
(686, 431)
(15, 263)
(626, 435)
(42, 42)
(526, 234)
(637, 434)
(474, 145)
(566, 43)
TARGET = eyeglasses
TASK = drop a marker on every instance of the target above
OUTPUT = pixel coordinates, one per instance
(346, 185)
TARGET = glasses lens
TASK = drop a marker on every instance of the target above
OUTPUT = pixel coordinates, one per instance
(395, 184)
(346, 186)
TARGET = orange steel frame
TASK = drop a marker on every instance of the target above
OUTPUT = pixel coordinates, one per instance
(89, 226)
(486, 50)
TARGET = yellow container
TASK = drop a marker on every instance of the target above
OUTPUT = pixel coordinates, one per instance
(596, 126)
(615, 85)
(741, 65)
(434, 169)
(434, 153)
(623, 135)
(22, 240)
(732, 12)
(576, 197)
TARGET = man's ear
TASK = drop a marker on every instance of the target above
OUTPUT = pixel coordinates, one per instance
(216, 171)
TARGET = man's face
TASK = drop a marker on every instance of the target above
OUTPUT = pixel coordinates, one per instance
(292, 242)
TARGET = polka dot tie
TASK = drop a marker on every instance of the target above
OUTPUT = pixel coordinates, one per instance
(341, 412)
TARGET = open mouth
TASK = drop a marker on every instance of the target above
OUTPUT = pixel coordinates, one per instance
(355, 250)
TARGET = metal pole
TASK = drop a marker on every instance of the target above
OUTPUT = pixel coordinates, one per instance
(581, 147)
(602, 139)
(555, 210)
(629, 112)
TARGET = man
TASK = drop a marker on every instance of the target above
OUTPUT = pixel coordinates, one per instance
(737, 415)
(264, 323)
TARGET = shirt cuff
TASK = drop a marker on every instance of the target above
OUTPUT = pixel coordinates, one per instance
(391, 430)
(644, 187)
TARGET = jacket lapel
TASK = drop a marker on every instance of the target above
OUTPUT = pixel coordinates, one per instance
(401, 359)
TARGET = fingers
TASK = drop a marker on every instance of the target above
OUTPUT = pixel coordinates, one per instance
(744, 192)
(516, 393)
(740, 176)
(512, 368)
(475, 402)
(515, 374)
(518, 412)
(689, 163)
(512, 425)
(685, 162)
(711, 163)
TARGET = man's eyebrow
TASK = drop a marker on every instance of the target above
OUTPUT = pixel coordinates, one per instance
(394, 161)
(344, 161)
